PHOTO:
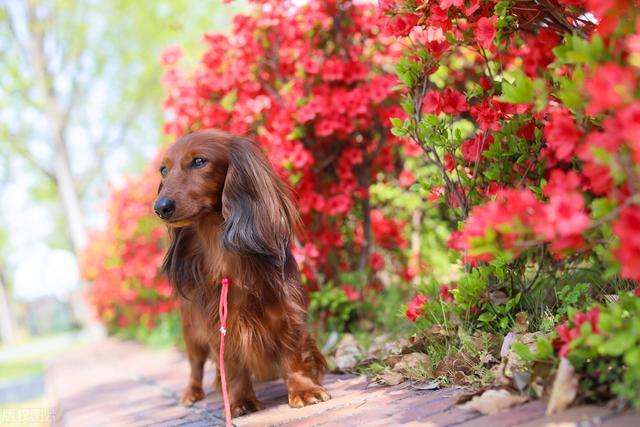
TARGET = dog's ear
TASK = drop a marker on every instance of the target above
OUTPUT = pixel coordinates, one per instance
(257, 206)
(181, 269)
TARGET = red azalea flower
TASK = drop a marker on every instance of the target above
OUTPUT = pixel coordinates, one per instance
(446, 4)
(376, 261)
(351, 293)
(433, 102)
(562, 134)
(414, 308)
(454, 102)
(486, 31)
(435, 194)
(406, 178)
(627, 228)
(561, 183)
(608, 87)
(487, 115)
(445, 294)
(170, 55)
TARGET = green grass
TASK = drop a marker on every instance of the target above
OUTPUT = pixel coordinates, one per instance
(20, 368)
(28, 357)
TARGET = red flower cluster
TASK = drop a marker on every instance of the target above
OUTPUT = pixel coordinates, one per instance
(123, 260)
(627, 228)
(312, 82)
(414, 308)
(566, 335)
(569, 126)
(449, 101)
(445, 293)
(516, 218)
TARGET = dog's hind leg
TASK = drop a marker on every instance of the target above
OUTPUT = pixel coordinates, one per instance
(303, 374)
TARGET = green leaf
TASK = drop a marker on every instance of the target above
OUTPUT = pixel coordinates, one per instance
(297, 133)
(522, 351)
(601, 207)
(520, 91)
(570, 90)
(545, 349)
(487, 317)
(228, 101)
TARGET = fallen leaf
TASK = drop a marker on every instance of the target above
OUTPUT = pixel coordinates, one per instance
(433, 385)
(460, 378)
(416, 343)
(456, 362)
(509, 339)
(498, 298)
(392, 360)
(388, 378)
(395, 347)
(412, 362)
(348, 353)
(465, 397)
(487, 359)
(521, 379)
(439, 334)
(493, 401)
(565, 388)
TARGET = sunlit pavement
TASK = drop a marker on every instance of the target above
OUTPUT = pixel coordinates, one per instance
(117, 383)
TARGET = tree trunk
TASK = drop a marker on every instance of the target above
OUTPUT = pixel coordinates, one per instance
(67, 190)
(7, 326)
(57, 119)
(416, 244)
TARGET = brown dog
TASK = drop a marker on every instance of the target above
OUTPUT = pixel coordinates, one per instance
(230, 215)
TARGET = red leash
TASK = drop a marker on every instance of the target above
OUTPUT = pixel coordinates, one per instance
(223, 331)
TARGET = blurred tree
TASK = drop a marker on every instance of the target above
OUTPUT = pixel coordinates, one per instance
(7, 325)
(7, 318)
(80, 87)
(80, 98)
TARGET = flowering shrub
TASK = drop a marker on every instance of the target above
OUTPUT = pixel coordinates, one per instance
(123, 260)
(313, 84)
(528, 115)
(529, 118)
(604, 346)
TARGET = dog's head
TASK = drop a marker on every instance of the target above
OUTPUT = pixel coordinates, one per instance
(210, 172)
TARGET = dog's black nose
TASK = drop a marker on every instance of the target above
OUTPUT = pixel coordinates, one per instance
(164, 207)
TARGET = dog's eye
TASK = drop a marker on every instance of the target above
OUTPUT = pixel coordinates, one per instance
(198, 162)
(163, 171)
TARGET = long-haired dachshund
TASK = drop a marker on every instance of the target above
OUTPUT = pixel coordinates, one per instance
(229, 214)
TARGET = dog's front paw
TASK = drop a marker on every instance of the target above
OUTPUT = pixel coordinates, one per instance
(191, 395)
(244, 407)
(300, 398)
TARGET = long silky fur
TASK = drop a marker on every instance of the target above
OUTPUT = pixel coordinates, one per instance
(243, 232)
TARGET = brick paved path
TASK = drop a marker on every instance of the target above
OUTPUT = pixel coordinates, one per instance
(117, 383)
